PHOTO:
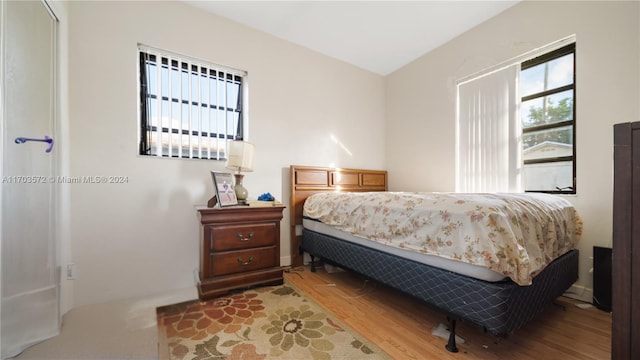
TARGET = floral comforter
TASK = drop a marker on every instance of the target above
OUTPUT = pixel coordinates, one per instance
(516, 235)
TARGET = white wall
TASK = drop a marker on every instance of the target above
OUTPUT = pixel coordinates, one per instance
(421, 100)
(141, 237)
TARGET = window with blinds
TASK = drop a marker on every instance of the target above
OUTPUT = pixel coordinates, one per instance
(516, 124)
(188, 108)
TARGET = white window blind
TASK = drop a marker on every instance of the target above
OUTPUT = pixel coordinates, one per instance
(188, 108)
(488, 135)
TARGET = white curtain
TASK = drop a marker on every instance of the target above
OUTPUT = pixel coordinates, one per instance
(488, 133)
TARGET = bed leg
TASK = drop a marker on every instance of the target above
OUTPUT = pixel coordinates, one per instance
(451, 345)
(313, 263)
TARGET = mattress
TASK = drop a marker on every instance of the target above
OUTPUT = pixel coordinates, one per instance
(516, 235)
(458, 267)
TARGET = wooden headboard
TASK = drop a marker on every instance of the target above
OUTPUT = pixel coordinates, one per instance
(309, 180)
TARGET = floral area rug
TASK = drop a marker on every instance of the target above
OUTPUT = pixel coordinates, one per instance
(276, 322)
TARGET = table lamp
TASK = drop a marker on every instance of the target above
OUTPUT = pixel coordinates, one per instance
(240, 158)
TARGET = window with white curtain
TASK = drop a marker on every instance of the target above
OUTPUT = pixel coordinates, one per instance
(515, 128)
(188, 108)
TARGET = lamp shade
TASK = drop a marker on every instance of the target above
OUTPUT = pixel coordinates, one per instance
(240, 156)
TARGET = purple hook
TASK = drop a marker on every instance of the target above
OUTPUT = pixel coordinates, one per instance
(47, 139)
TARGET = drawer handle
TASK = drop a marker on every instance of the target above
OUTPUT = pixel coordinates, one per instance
(242, 262)
(242, 238)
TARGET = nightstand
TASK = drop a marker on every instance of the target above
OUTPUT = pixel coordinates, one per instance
(239, 248)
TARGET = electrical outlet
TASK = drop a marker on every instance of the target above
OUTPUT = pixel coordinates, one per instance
(71, 271)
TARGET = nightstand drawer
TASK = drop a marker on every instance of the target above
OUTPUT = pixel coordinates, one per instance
(240, 261)
(233, 237)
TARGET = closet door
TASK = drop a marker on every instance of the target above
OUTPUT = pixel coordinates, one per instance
(626, 241)
(29, 312)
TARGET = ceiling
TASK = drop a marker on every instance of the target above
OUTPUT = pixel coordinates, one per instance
(379, 36)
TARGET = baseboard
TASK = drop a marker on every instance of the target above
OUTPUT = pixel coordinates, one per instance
(581, 293)
(285, 260)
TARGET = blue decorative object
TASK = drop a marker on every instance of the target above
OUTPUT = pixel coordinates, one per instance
(266, 197)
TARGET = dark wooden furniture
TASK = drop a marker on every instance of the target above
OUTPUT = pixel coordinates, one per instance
(239, 248)
(307, 180)
(625, 330)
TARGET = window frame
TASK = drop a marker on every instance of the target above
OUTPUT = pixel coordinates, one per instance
(180, 65)
(544, 58)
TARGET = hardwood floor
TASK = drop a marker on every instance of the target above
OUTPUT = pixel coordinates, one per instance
(402, 326)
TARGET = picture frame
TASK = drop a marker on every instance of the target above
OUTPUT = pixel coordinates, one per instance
(223, 183)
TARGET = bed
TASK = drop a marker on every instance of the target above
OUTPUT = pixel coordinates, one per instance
(498, 291)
